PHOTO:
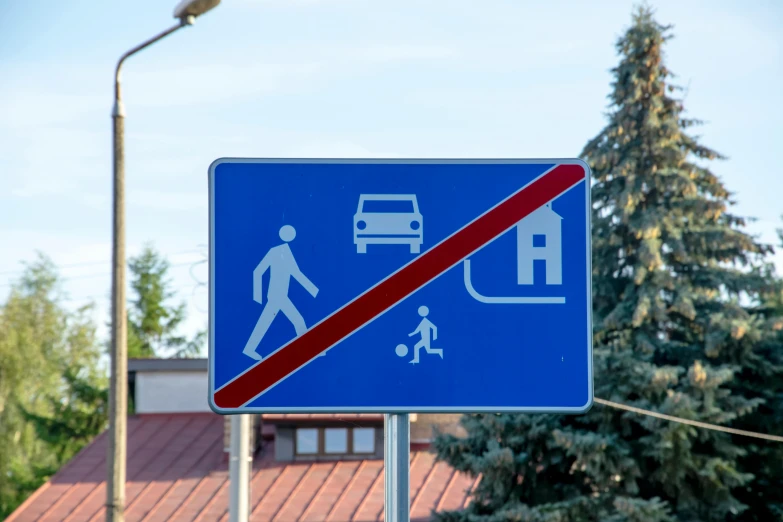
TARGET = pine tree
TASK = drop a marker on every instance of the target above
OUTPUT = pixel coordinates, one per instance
(154, 323)
(673, 273)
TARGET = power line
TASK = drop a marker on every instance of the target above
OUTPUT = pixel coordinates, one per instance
(95, 263)
(106, 296)
(103, 274)
(72, 265)
(698, 424)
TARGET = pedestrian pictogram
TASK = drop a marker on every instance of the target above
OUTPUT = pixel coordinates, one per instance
(282, 267)
(502, 233)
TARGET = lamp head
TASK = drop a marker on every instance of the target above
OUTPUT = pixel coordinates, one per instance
(187, 10)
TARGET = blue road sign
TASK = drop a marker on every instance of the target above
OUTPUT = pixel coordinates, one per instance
(400, 286)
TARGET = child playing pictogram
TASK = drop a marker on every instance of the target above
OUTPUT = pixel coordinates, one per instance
(428, 332)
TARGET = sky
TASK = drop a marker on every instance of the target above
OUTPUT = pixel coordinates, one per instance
(336, 78)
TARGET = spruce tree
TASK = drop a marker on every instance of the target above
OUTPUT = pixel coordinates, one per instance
(673, 273)
(762, 375)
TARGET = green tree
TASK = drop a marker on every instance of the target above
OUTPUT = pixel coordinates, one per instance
(763, 376)
(154, 323)
(76, 414)
(47, 355)
(673, 272)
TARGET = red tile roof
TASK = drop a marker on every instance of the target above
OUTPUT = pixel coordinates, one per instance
(177, 471)
(277, 417)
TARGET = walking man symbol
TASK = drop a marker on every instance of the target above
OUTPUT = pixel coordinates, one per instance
(428, 332)
(282, 267)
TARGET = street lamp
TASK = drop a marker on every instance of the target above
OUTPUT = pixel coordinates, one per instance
(186, 12)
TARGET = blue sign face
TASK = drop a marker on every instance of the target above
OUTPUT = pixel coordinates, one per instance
(504, 328)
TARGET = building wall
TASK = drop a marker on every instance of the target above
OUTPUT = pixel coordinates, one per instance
(171, 392)
(284, 447)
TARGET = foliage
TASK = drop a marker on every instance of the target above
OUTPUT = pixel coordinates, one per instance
(679, 328)
(763, 376)
(49, 378)
(153, 323)
(75, 418)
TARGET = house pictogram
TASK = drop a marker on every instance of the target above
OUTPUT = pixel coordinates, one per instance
(539, 239)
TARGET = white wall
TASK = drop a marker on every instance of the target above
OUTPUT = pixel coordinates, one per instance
(171, 392)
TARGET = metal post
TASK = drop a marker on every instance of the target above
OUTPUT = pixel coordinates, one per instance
(396, 457)
(118, 398)
(240, 462)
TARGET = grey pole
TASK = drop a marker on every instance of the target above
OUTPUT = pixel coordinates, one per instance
(240, 461)
(118, 385)
(396, 456)
(118, 400)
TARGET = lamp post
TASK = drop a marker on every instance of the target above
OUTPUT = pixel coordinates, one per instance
(186, 12)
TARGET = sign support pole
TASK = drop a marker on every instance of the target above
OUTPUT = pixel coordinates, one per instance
(239, 468)
(396, 457)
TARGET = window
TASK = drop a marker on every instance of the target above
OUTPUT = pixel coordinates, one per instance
(336, 440)
(388, 206)
(307, 441)
(539, 240)
(363, 440)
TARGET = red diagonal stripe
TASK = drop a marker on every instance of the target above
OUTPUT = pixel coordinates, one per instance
(397, 287)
